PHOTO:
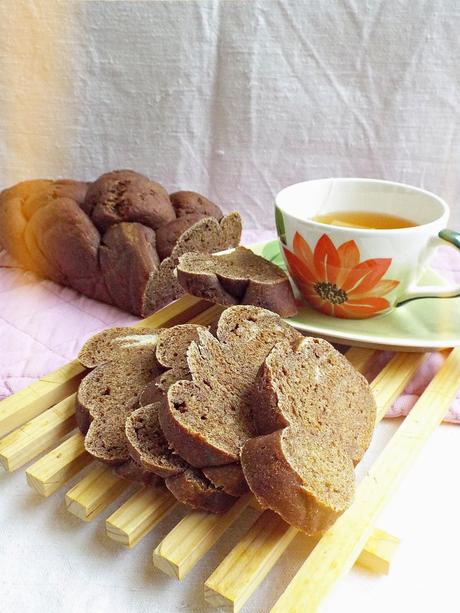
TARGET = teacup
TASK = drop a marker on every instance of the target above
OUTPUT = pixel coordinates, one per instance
(354, 272)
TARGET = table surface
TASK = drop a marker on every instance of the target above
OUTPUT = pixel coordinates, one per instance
(49, 560)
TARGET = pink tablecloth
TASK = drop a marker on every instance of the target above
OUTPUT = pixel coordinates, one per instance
(43, 325)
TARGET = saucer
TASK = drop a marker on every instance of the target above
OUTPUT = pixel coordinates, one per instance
(420, 325)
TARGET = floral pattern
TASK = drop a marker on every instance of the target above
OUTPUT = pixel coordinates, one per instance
(335, 282)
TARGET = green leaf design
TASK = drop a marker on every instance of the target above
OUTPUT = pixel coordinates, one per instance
(279, 221)
(271, 251)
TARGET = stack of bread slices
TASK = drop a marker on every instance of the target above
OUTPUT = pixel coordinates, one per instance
(251, 406)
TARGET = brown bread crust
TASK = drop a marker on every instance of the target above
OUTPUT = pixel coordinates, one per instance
(147, 444)
(191, 203)
(100, 238)
(229, 478)
(208, 419)
(131, 471)
(273, 479)
(127, 258)
(125, 195)
(168, 235)
(239, 277)
(193, 489)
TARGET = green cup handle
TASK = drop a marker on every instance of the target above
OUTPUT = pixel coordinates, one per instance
(415, 292)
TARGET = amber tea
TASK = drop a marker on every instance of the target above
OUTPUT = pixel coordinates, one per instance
(364, 219)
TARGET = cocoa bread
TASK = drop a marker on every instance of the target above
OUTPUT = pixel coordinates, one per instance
(131, 471)
(101, 238)
(148, 446)
(125, 195)
(208, 419)
(146, 441)
(306, 480)
(168, 235)
(205, 236)
(115, 343)
(229, 478)
(316, 415)
(188, 203)
(239, 277)
(312, 385)
(193, 489)
(124, 362)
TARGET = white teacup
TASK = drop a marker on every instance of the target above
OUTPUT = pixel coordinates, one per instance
(359, 272)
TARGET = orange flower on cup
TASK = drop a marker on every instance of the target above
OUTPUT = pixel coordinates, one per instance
(335, 282)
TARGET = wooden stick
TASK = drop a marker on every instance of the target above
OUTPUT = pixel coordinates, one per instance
(139, 515)
(249, 562)
(241, 572)
(192, 538)
(23, 444)
(36, 398)
(58, 466)
(93, 494)
(57, 385)
(336, 552)
(359, 357)
(392, 380)
(379, 552)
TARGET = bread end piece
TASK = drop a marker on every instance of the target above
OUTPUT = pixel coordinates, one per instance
(303, 478)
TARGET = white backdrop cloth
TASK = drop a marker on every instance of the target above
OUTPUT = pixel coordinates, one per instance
(234, 99)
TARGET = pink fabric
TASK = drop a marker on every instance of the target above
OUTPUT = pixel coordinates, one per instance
(43, 325)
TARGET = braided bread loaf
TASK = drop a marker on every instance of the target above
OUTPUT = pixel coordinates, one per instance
(117, 240)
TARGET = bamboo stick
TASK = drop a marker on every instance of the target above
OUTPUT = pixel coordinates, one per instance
(93, 494)
(379, 552)
(392, 380)
(23, 444)
(359, 357)
(36, 398)
(192, 538)
(241, 572)
(139, 515)
(55, 468)
(57, 385)
(249, 562)
(336, 552)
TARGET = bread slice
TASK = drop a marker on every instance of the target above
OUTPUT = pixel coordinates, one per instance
(208, 419)
(123, 361)
(148, 446)
(239, 277)
(193, 489)
(132, 471)
(301, 476)
(147, 443)
(207, 235)
(229, 478)
(116, 343)
(313, 386)
(316, 415)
